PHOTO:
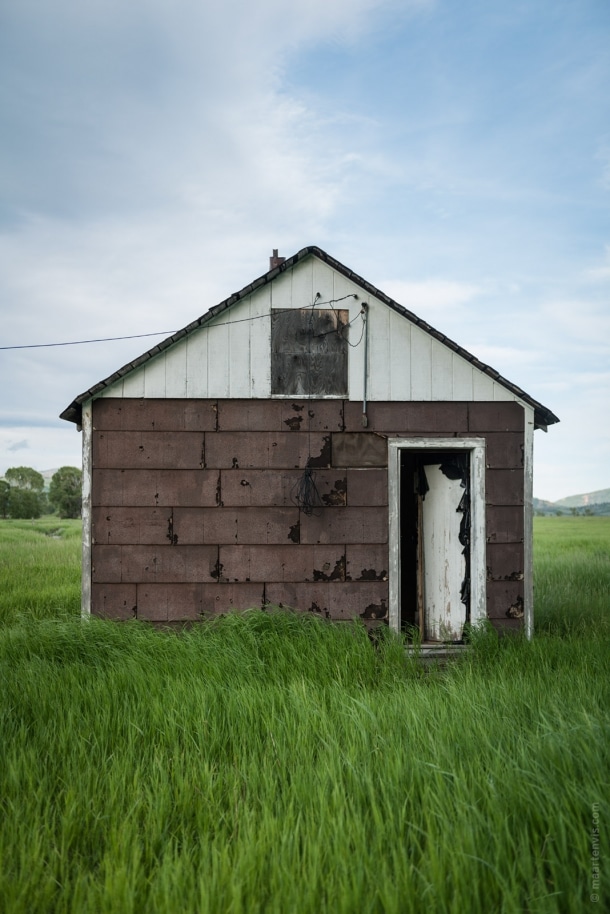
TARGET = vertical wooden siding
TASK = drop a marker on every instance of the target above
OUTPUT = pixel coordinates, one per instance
(231, 356)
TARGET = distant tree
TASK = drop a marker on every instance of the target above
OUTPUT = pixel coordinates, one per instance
(26, 496)
(65, 491)
(4, 497)
(25, 478)
(23, 503)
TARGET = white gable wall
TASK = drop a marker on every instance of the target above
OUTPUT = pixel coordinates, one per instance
(230, 357)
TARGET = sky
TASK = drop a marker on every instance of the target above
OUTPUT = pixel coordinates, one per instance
(456, 155)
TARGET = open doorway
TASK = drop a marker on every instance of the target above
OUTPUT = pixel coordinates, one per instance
(437, 537)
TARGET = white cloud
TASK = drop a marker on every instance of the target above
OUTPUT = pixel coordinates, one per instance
(437, 295)
(508, 360)
(565, 461)
(603, 156)
(582, 322)
(601, 273)
(18, 445)
(46, 448)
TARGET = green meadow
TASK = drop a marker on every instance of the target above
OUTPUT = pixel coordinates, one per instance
(271, 762)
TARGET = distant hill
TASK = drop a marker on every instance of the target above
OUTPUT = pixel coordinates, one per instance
(602, 496)
(592, 503)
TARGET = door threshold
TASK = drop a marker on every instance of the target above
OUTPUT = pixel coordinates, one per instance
(431, 650)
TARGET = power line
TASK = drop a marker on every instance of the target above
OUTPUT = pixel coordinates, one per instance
(139, 336)
(107, 339)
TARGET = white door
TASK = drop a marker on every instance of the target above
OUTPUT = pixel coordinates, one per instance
(444, 565)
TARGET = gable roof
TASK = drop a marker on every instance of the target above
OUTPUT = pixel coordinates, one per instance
(73, 413)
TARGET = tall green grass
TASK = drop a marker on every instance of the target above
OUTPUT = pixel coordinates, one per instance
(275, 763)
(40, 569)
(572, 574)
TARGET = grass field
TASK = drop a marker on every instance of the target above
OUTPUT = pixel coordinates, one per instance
(274, 763)
(40, 564)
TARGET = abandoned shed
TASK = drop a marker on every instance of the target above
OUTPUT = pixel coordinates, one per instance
(309, 443)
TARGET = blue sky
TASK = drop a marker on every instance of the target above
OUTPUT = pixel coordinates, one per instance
(457, 155)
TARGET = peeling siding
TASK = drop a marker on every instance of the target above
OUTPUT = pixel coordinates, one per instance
(192, 505)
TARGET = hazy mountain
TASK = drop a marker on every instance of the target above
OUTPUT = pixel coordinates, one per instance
(602, 496)
(597, 503)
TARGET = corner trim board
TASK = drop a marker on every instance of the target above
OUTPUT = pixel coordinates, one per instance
(528, 522)
(87, 433)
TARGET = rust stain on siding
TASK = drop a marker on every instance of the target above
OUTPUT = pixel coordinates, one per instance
(375, 611)
(337, 574)
(172, 537)
(516, 610)
(323, 460)
(319, 610)
(338, 495)
(513, 576)
(369, 574)
(216, 572)
(294, 423)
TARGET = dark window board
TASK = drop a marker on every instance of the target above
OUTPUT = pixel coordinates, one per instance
(309, 352)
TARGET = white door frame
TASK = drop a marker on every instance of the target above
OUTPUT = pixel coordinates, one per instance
(478, 568)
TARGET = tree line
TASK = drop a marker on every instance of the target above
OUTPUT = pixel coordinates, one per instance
(23, 495)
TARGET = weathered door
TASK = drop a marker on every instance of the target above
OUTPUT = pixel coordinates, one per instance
(441, 557)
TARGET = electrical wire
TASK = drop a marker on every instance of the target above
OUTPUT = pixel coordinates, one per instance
(344, 327)
(107, 339)
(305, 495)
(139, 336)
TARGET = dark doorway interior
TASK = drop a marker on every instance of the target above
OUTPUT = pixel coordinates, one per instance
(435, 543)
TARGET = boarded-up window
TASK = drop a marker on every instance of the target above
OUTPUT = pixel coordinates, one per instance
(309, 352)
